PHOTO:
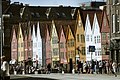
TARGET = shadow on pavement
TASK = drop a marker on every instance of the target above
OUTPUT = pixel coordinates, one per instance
(31, 78)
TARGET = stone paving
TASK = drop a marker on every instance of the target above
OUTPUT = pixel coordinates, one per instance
(59, 76)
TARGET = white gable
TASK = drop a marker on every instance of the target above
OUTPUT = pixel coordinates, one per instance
(96, 39)
(88, 29)
(39, 46)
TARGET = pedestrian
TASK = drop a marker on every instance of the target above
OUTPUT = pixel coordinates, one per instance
(107, 65)
(4, 69)
(84, 67)
(114, 67)
(49, 68)
(100, 67)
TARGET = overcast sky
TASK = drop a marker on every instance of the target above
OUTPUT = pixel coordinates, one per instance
(53, 2)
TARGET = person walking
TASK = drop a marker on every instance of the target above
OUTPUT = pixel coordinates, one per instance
(49, 68)
(100, 67)
(114, 67)
(4, 69)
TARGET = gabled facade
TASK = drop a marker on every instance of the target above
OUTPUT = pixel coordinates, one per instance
(26, 44)
(39, 45)
(105, 36)
(30, 55)
(54, 46)
(80, 39)
(48, 47)
(88, 38)
(97, 55)
(21, 55)
(63, 51)
(34, 43)
(14, 55)
(70, 46)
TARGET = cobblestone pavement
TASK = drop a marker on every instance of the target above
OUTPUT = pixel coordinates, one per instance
(59, 76)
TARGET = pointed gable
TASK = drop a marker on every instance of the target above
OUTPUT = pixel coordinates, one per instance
(104, 22)
(73, 28)
(54, 31)
(91, 13)
(65, 30)
(58, 26)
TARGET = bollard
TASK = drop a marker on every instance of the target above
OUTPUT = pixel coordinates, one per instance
(73, 71)
(15, 72)
(23, 72)
(36, 72)
(62, 72)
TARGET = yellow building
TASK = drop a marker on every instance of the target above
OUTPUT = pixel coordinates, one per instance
(70, 46)
(80, 39)
(21, 55)
(54, 46)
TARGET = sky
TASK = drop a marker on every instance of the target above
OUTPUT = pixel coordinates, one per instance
(74, 3)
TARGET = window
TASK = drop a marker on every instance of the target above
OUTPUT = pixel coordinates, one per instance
(72, 42)
(115, 1)
(113, 23)
(35, 45)
(103, 36)
(22, 53)
(78, 38)
(83, 50)
(54, 40)
(117, 21)
(88, 50)
(62, 55)
(91, 38)
(82, 38)
(55, 51)
(61, 45)
(87, 37)
(99, 39)
(95, 39)
(68, 43)
(95, 53)
(108, 35)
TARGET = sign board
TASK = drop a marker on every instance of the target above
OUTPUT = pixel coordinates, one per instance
(91, 48)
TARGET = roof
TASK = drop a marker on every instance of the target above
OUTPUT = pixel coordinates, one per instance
(58, 13)
(91, 13)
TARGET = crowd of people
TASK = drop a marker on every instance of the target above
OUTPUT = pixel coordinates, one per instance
(98, 67)
(86, 67)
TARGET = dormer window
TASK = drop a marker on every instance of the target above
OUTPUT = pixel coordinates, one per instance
(47, 12)
(79, 23)
(73, 12)
(37, 15)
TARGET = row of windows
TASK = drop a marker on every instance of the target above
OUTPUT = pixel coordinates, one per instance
(71, 54)
(62, 55)
(89, 38)
(21, 44)
(80, 37)
(83, 50)
(97, 39)
(54, 40)
(21, 53)
(55, 52)
(62, 45)
(70, 42)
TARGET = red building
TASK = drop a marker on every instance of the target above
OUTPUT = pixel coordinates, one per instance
(14, 44)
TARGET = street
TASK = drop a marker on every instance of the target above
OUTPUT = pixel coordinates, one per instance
(59, 76)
